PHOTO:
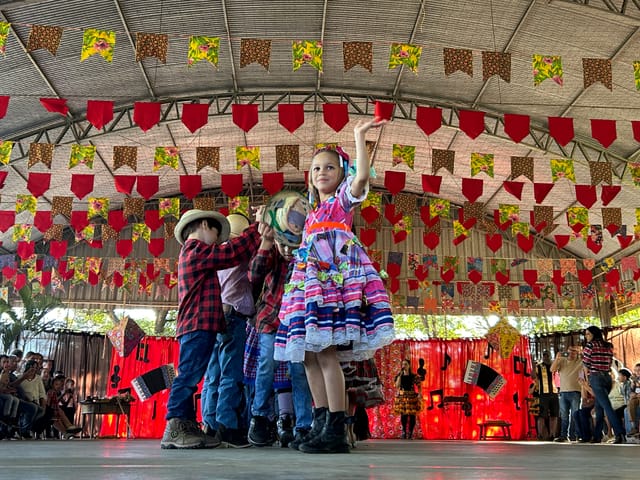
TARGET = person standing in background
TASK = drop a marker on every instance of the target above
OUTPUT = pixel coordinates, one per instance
(408, 402)
(569, 365)
(549, 405)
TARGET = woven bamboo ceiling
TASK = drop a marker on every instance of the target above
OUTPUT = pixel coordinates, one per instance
(571, 30)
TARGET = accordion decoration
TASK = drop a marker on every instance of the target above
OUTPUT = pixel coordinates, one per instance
(484, 377)
(154, 381)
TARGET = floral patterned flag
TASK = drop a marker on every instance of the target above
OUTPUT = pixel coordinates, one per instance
(547, 66)
(402, 228)
(141, 231)
(21, 233)
(458, 59)
(203, 48)
(597, 70)
(100, 42)
(6, 147)
(26, 203)
(636, 74)
(86, 234)
(239, 205)
(5, 28)
(371, 207)
(307, 51)
(169, 206)
(562, 168)
(98, 207)
(207, 157)
(404, 154)
(509, 213)
(482, 162)
(439, 207)
(247, 156)
(520, 228)
(578, 216)
(82, 155)
(357, 53)
(460, 232)
(450, 263)
(152, 45)
(255, 50)
(166, 157)
(405, 54)
(40, 152)
(634, 169)
(41, 36)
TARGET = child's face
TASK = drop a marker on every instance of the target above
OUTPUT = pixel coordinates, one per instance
(285, 251)
(326, 172)
(209, 234)
(4, 363)
(57, 384)
(636, 370)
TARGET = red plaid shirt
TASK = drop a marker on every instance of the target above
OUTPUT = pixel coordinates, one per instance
(269, 268)
(199, 295)
(597, 356)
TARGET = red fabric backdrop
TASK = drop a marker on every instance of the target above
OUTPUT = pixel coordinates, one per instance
(449, 422)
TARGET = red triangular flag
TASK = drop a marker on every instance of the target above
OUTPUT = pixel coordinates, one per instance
(190, 185)
(475, 276)
(609, 192)
(413, 284)
(431, 183)
(148, 185)
(516, 126)
(541, 190)
(336, 115)
(557, 279)
(21, 281)
(447, 275)
(585, 277)
(58, 249)
(393, 269)
(431, 240)
(613, 276)
(273, 182)
(429, 119)
(369, 214)
(525, 243)
(472, 188)
(245, 116)
(55, 105)
(79, 220)
(561, 129)
(494, 242)
(8, 272)
(383, 110)
(530, 276)
(399, 236)
(116, 220)
(38, 183)
(390, 213)
(471, 122)
(26, 250)
(45, 278)
(635, 127)
(592, 245)
(4, 104)
(502, 278)
(231, 184)
(500, 225)
(586, 195)
(124, 183)
(156, 247)
(195, 115)
(99, 112)
(394, 181)
(118, 279)
(291, 115)
(7, 220)
(514, 188)
(82, 184)
(3, 177)
(624, 240)
(604, 131)
(124, 247)
(368, 236)
(153, 220)
(42, 220)
(562, 240)
(421, 273)
(146, 114)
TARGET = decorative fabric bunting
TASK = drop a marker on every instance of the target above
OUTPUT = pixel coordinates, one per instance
(371, 207)
(171, 206)
(394, 181)
(517, 127)
(40, 152)
(357, 53)
(612, 219)
(522, 166)
(82, 185)
(125, 156)
(431, 183)
(61, 206)
(403, 154)
(291, 116)
(140, 231)
(458, 59)
(124, 183)
(117, 219)
(42, 220)
(4, 105)
(239, 204)
(404, 54)
(99, 112)
(98, 207)
(247, 156)
(471, 122)
(255, 50)
(336, 115)
(100, 42)
(5, 28)
(108, 233)
(38, 183)
(568, 265)
(577, 218)
(442, 159)
(146, 114)
(194, 116)
(508, 214)
(245, 116)
(405, 203)
(133, 207)
(597, 70)
(472, 188)
(190, 185)
(586, 195)
(636, 74)
(383, 110)
(55, 105)
(26, 203)
(82, 155)
(513, 188)
(6, 147)
(147, 185)
(547, 66)
(231, 184)
(41, 36)
(541, 190)
(600, 172)
(496, 63)
(482, 162)
(561, 129)
(542, 217)
(152, 45)
(604, 131)
(429, 119)
(201, 203)
(562, 168)
(307, 51)
(634, 169)
(287, 154)
(54, 233)
(203, 48)
(207, 157)
(166, 157)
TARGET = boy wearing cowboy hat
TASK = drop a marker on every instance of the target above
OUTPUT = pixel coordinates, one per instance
(205, 250)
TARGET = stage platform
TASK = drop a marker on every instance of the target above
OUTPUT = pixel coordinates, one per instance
(374, 459)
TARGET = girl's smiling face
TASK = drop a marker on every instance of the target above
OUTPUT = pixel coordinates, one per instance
(326, 173)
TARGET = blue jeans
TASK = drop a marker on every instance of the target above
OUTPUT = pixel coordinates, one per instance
(569, 401)
(195, 351)
(223, 386)
(601, 385)
(301, 396)
(262, 399)
(583, 423)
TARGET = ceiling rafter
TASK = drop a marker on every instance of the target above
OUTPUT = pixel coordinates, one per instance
(611, 6)
(234, 76)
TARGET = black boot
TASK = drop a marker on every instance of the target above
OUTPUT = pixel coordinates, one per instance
(285, 430)
(332, 439)
(319, 419)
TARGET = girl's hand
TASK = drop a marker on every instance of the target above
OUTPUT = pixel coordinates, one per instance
(363, 126)
(259, 212)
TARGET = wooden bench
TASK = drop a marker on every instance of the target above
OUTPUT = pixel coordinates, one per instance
(506, 430)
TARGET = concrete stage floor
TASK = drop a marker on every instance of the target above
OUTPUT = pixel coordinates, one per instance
(371, 460)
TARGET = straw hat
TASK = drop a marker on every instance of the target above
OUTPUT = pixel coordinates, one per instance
(238, 223)
(195, 214)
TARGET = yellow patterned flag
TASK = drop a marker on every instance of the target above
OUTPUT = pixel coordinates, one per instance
(405, 54)
(6, 147)
(547, 66)
(203, 48)
(82, 155)
(169, 206)
(562, 168)
(98, 207)
(22, 233)
(636, 73)
(141, 231)
(239, 205)
(5, 28)
(26, 203)
(404, 154)
(98, 42)
(166, 157)
(307, 51)
(247, 156)
(482, 163)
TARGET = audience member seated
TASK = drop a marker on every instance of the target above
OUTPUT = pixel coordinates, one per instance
(9, 403)
(31, 390)
(634, 400)
(69, 399)
(54, 412)
(619, 397)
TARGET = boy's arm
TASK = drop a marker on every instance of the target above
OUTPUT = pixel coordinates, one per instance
(230, 253)
(263, 261)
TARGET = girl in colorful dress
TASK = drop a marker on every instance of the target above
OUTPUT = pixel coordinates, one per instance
(335, 307)
(408, 402)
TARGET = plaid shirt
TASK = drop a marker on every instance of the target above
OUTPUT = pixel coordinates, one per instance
(199, 295)
(269, 268)
(597, 356)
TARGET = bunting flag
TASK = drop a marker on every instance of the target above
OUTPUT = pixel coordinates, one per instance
(38, 183)
(201, 203)
(371, 207)
(133, 207)
(240, 204)
(612, 219)
(152, 45)
(99, 112)
(147, 185)
(403, 154)
(21, 233)
(40, 152)
(140, 231)
(41, 36)
(207, 157)
(522, 166)
(203, 48)
(55, 105)
(442, 159)
(458, 59)
(98, 207)
(405, 203)
(586, 195)
(291, 115)
(513, 188)
(496, 63)
(394, 181)
(245, 116)
(404, 54)
(577, 218)
(471, 211)
(190, 185)
(6, 147)
(431, 183)
(336, 115)
(171, 207)
(82, 155)
(307, 51)
(146, 114)
(287, 154)
(597, 70)
(542, 218)
(482, 163)
(429, 119)
(561, 129)
(604, 131)
(125, 156)
(255, 50)
(4, 105)
(194, 116)
(357, 53)
(634, 170)
(98, 42)
(5, 28)
(472, 188)
(82, 185)
(471, 122)
(546, 66)
(247, 156)
(231, 184)
(383, 110)
(517, 127)
(26, 203)
(273, 182)
(166, 157)
(562, 168)
(636, 74)
(600, 173)
(508, 214)
(61, 206)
